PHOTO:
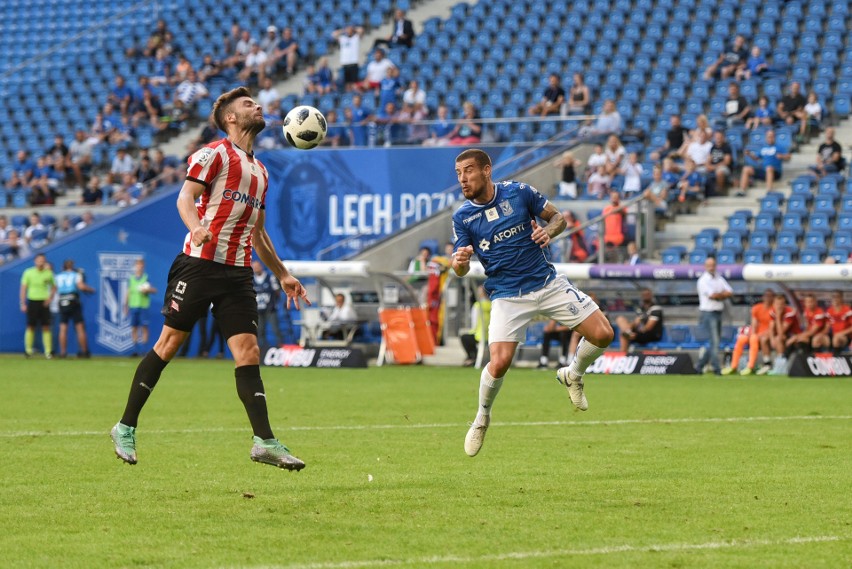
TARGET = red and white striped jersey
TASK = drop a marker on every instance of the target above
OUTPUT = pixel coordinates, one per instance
(236, 185)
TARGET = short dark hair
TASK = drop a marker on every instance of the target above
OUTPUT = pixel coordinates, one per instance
(482, 158)
(223, 103)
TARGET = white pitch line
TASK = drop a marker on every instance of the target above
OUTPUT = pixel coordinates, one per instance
(613, 422)
(515, 555)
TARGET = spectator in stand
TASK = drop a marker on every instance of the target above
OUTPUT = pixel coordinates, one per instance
(122, 163)
(209, 69)
(4, 228)
(324, 77)
(23, 170)
(168, 166)
(86, 220)
(162, 68)
(287, 51)
(419, 264)
(376, 71)
(657, 192)
(18, 247)
(647, 327)
(551, 100)
(633, 256)
(128, 191)
(65, 228)
(829, 158)
(699, 150)
(385, 120)
(32, 230)
(148, 109)
(598, 184)
(762, 115)
(92, 194)
(729, 62)
(269, 45)
(403, 32)
(713, 290)
(576, 249)
(757, 336)
(567, 185)
(813, 116)
(755, 65)
(349, 41)
(120, 96)
(156, 40)
(256, 62)
(146, 172)
(336, 135)
(608, 122)
(815, 322)
(719, 164)
(702, 124)
(838, 333)
(80, 153)
(632, 171)
(737, 109)
(266, 96)
(791, 107)
(771, 158)
(229, 42)
(675, 138)
(113, 127)
(614, 221)
(187, 95)
(45, 183)
(441, 129)
(615, 155)
(597, 159)
(468, 129)
(181, 71)
(578, 96)
(242, 48)
(417, 131)
(389, 88)
(208, 134)
(360, 117)
(691, 184)
(59, 157)
(414, 95)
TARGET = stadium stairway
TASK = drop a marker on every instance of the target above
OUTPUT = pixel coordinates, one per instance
(715, 214)
(419, 13)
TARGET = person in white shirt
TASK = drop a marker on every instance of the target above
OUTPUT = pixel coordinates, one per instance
(699, 150)
(632, 171)
(596, 160)
(187, 94)
(267, 95)
(341, 315)
(349, 42)
(122, 163)
(713, 290)
(376, 70)
(256, 63)
(414, 95)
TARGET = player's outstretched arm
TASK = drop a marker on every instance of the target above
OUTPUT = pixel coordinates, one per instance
(291, 286)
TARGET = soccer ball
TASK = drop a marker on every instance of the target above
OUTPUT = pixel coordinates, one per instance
(304, 127)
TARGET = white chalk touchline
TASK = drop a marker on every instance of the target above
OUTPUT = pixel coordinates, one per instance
(514, 555)
(613, 422)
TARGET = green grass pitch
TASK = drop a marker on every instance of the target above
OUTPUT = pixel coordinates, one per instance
(675, 471)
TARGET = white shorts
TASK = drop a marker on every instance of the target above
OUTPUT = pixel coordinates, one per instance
(559, 299)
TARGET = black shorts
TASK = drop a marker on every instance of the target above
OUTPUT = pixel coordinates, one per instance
(72, 311)
(196, 283)
(37, 313)
(646, 338)
(350, 73)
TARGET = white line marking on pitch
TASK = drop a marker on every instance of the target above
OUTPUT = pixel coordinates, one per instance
(664, 547)
(613, 422)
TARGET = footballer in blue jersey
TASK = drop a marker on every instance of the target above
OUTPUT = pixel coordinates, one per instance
(69, 284)
(498, 224)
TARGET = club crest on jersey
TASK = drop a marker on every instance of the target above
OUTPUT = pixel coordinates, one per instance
(484, 245)
(491, 214)
(506, 207)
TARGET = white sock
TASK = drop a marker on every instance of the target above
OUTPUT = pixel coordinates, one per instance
(587, 353)
(489, 386)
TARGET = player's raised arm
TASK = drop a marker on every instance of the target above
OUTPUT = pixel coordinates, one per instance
(266, 251)
(461, 260)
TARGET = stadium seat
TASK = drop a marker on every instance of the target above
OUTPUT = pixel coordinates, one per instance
(754, 256)
(727, 256)
(810, 257)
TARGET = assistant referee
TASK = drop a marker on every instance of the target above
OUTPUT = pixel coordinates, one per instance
(37, 290)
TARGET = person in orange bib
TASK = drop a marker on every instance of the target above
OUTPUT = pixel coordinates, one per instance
(785, 325)
(755, 336)
(838, 331)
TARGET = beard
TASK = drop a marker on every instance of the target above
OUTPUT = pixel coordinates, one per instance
(252, 124)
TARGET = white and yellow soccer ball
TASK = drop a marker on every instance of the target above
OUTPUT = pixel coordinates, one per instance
(305, 127)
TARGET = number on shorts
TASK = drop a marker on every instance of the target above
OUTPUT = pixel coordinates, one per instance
(573, 290)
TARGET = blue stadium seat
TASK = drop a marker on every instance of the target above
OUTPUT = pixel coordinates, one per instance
(782, 256)
(765, 221)
(842, 239)
(727, 256)
(787, 239)
(810, 257)
(673, 255)
(759, 240)
(754, 256)
(698, 256)
(840, 255)
(820, 222)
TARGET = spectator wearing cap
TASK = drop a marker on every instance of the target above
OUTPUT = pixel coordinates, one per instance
(269, 43)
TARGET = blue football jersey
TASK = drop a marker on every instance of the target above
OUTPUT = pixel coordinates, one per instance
(500, 232)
